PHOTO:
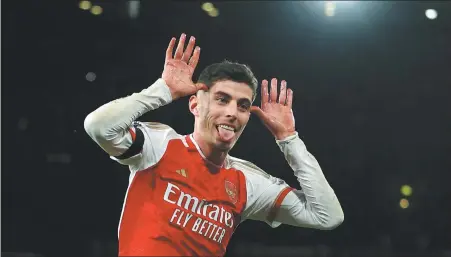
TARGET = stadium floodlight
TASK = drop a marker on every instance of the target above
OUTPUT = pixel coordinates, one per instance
(431, 14)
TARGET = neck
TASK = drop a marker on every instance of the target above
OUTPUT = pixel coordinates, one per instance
(210, 153)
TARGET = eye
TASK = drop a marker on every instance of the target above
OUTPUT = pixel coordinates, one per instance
(221, 99)
(244, 107)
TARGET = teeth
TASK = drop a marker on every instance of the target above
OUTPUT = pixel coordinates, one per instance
(226, 127)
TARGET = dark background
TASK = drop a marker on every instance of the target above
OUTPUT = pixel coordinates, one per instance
(372, 88)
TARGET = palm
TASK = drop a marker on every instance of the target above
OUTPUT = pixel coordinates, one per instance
(179, 68)
(178, 76)
(276, 112)
(280, 116)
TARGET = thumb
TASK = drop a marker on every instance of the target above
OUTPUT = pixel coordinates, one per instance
(259, 112)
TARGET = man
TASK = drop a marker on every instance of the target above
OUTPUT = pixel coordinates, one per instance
(186, 195)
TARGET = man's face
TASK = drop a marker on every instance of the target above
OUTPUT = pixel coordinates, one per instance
(223, 112)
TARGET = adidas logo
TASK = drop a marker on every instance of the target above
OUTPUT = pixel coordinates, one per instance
(182, 172)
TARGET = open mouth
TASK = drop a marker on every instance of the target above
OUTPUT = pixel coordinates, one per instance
(226, 127)
(226, 132)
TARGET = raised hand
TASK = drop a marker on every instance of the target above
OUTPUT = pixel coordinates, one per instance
(276, 113)
(179, 68)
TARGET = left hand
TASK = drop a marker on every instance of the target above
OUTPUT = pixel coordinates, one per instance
(276, 114)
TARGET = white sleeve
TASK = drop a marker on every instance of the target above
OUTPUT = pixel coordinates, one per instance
(112, 126)
(156, 139)
(273, 201)
(263, 190)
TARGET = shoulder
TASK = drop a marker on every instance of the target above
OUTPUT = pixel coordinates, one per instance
(157, 137)
(154, 126)
(251, 171)
(257, 180)
(262, 189)
(157, 131)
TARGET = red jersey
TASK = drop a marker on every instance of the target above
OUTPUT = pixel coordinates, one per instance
(180, 207)
(177, 206)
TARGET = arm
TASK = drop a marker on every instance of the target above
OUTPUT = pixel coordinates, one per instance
(112, 125)
(271, 200)
(316, 205)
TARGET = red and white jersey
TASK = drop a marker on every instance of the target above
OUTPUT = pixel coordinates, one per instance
(177, 205)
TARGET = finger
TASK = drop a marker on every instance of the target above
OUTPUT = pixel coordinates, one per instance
(264, 93)
(290, 98)
(201, 86)
(261, 115)
(180, 46)
(273, 94)
(283, 92)
(195, 58)
(170, 49)
(189, 49)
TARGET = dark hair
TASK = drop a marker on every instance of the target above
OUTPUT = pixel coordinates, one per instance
(227, 70)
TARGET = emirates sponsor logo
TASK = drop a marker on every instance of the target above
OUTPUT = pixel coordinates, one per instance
(189, 205)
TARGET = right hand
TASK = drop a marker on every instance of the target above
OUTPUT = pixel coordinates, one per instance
(178, 69)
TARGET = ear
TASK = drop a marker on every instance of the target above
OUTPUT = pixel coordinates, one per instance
(192, 104)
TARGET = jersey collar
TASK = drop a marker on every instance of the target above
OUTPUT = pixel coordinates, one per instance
(193, 146)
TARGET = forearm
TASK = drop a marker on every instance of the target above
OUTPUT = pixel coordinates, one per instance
(108, 125)
(317, 206)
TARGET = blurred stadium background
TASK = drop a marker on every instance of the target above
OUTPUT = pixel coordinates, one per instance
(372, 88)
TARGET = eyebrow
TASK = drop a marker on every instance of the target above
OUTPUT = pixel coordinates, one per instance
(229, 96)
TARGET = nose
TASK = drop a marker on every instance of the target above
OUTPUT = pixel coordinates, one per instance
(231, 109)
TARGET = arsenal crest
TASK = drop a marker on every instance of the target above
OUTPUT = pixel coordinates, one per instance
(231, 191)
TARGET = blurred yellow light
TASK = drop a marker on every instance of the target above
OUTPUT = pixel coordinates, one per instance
(329, 12)
(406, 190)
(96, 10)
(404, 203)
(329, 8)
(84, 5)
(208, 7)
(213, 13)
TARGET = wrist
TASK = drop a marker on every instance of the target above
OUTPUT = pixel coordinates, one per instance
(159, 89)
(172, 93)
(285, 135)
